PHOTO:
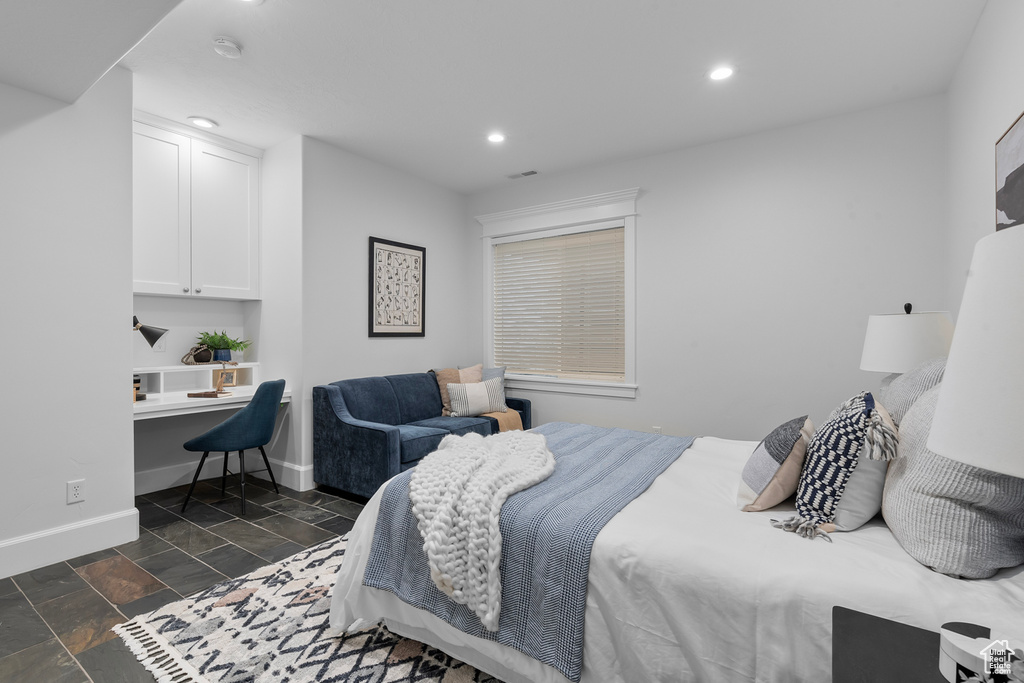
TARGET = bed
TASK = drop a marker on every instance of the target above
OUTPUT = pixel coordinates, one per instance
(682, 586)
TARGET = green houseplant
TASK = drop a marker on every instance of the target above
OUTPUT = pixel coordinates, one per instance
(222, 345)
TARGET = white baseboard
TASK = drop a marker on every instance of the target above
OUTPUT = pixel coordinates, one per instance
(32, 551)
(160, 478)
(297, 477)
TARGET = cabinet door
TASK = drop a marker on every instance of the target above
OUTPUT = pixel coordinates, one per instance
(161, 259)
(225, 223)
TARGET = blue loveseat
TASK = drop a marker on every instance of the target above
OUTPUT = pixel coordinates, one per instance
(369, 429)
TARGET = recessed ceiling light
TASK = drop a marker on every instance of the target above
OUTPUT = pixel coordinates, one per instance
(496, 137)
(202, 122)
(252, 2)
(226, 47)
(721, 73)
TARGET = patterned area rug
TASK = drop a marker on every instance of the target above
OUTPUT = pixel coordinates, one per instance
(272, 625)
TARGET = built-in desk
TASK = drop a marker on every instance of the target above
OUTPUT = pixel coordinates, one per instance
(167, 388)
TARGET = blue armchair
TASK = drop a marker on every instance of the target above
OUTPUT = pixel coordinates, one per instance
(367, 430)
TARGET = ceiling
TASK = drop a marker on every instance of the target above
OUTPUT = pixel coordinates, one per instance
(418, 85)
(59, 48)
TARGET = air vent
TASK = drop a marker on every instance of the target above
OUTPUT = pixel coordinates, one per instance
(524, 174)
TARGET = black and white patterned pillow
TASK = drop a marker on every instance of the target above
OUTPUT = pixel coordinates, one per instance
(844, 472)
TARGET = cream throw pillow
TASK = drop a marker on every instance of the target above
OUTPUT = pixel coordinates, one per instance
(469, 400)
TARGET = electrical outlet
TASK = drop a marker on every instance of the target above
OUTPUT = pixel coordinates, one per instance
(161, 345)
(657, 429)
(76, 491)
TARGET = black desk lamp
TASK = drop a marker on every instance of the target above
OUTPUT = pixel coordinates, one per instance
(149, 333)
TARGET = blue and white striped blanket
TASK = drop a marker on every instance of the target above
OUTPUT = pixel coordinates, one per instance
(547, 531)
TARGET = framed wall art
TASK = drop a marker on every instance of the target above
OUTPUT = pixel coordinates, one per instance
(1010, 176)
(397, 288)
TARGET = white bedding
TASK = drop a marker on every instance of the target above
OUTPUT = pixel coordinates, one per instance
(685, 587)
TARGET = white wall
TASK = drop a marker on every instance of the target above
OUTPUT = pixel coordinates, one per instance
(759, 260)
(985, 98)
(66, 293)
(279, 348)
(347, 199)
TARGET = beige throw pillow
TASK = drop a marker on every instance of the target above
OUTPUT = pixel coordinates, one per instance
(470, 375)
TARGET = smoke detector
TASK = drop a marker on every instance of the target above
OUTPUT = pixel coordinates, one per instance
(226, 47)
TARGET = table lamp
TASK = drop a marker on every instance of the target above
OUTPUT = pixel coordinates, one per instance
(979, 417)
(898, 343)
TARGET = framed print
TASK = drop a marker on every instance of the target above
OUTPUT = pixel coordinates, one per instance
(1010, 176)
(397, 287)
(230, 377)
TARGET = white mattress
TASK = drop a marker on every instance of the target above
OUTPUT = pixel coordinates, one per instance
(685, 587)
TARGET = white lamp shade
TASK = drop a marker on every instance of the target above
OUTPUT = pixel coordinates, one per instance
(979, 418)
(900, 342)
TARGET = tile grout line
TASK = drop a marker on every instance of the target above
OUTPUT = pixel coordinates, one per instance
(211, 529)
(50, 628)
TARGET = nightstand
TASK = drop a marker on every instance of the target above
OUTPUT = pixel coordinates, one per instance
(870, 649)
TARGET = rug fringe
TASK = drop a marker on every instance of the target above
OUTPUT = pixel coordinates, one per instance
(156, 654)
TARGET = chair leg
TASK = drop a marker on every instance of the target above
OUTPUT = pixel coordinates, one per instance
(224, 476)
(241, 467)
(266, 462)
(194, 480)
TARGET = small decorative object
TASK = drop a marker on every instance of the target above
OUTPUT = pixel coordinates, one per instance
(221, 344)
(217, 391)
(1010, 176)
(397, 275)
(212, 393)
(200, 354)
(226, 378)
(136, 385)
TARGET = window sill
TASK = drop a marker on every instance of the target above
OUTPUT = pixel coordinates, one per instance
(570, 386)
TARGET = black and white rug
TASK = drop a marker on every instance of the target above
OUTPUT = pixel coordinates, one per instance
(272, 625)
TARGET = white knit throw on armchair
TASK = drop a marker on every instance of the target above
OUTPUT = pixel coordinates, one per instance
(457, 493)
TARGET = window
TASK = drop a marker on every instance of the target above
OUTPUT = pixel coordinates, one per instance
(559, 305)
(558, 300)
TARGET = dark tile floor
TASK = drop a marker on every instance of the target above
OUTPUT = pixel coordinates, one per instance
(55, 621)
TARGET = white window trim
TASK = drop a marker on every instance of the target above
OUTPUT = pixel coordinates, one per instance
(574, 215)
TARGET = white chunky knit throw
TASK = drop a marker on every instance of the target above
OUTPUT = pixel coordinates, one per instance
(457, 493)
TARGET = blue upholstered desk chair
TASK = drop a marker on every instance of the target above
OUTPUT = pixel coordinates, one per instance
(251, 427)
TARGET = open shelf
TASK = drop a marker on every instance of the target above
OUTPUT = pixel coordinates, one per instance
(167, 388)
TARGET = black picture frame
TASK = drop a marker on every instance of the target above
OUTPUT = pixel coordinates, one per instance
(397, 289)
(1010, 176)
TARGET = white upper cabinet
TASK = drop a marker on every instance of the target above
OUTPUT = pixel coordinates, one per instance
(225, 222)
(161, 211)
(195, 217)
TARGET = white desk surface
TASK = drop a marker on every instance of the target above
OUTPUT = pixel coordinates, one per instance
(178, 403)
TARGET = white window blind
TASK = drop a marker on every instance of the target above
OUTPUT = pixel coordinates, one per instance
(560, 305)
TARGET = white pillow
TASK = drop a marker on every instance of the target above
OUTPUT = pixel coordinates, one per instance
(478, 398)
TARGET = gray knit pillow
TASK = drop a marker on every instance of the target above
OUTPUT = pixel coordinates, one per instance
(953, 518)
(905, 389)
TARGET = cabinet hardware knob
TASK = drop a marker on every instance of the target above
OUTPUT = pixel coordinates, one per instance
(185, 289)
(198, 291)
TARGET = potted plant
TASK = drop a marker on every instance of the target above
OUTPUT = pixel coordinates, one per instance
(222, 345)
